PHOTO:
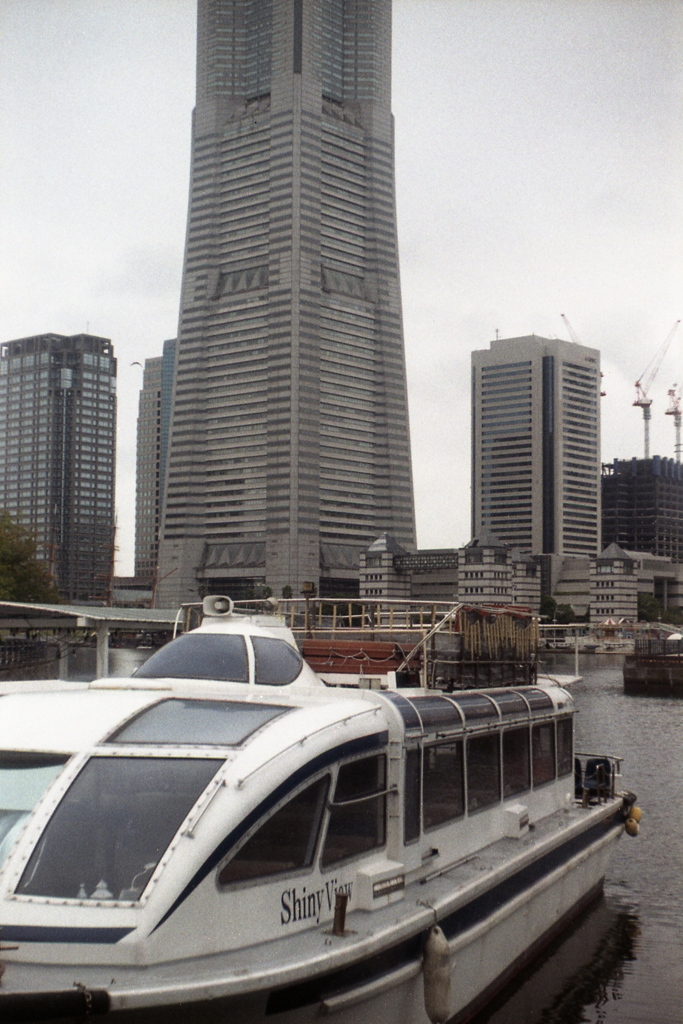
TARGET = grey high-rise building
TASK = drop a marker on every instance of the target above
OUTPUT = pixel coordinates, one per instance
(57, 452)
(154, 412)
(289, 448)
(536, 445)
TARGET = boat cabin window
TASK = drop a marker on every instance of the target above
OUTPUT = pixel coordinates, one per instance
(511, 703)
(285, 842)
(209, 722)
(113, 825)
(358, 810)
(412, 792)
(277, 662)
(539, 700)
(220, 656)
(24, 777)
(516, 774)
(565, 747)
(434, 785)
(443, 789)
(436, 711)
(543, 753)
(476, 705)
(483, 771)
(405, 708)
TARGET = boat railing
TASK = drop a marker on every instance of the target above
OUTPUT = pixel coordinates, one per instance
(364, 618)
(449, 618)
(595, 776)
(333, 616)
(327, 619)
(438, 644)
(659, 647)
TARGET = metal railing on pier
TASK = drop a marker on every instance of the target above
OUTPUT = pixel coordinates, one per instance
(19, 653)
(659, 647)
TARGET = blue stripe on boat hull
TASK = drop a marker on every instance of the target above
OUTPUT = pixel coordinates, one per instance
(363, 972)
(42, 933)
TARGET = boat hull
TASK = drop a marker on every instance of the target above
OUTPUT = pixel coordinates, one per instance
(491, 936)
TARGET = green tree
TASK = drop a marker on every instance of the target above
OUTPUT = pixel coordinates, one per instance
(649, 608)
(673, 616)
(22, 576)
(564, 613)
(548, 607)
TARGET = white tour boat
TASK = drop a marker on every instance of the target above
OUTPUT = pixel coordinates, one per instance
(232, 836)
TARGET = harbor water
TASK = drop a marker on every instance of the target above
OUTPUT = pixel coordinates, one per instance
(622, 962)
(122, 662)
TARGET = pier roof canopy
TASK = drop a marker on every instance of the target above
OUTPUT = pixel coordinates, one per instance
(18, 615)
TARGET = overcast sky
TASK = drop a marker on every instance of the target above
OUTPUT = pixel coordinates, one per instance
(538, 168)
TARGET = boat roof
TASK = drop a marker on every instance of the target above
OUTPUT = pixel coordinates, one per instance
(191, 716)
(195, 699)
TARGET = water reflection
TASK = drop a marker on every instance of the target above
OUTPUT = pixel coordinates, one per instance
(643, 876)
(583, 969)
(122, 662)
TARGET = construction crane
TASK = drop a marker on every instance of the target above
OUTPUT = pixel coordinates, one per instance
(569, 327)
(675, 411)
(644, 383)
(573, 335)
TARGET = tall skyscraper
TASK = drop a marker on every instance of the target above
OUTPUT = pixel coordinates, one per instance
(289, 446)
(57, 451)
(536, 445)
(154, 413)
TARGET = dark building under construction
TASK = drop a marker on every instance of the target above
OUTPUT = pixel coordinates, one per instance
(642, 506)
(57, 445)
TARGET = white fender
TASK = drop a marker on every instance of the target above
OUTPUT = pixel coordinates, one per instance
(436, 972)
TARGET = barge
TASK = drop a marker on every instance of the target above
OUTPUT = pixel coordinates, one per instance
(655, 667)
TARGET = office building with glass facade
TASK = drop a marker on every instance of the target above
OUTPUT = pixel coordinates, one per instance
(536, 445)
(289, 449)
(57, 454)
(154, 412)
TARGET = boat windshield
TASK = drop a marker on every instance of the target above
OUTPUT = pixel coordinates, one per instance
(277, 662)
(24, 777)
(223, 656)
(200, 656)
(112, 827)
